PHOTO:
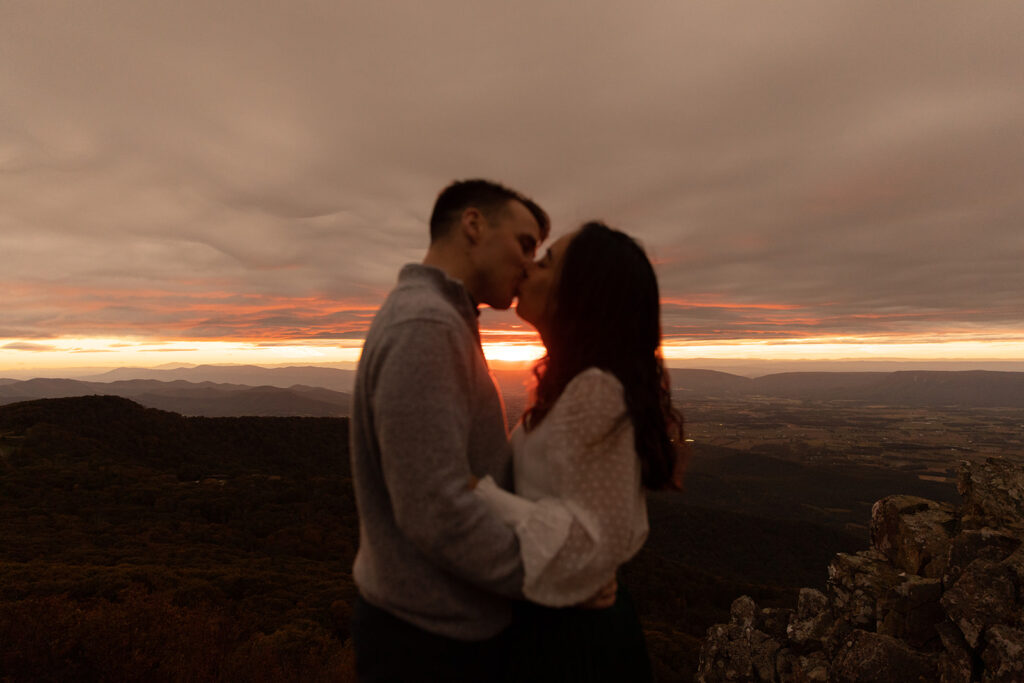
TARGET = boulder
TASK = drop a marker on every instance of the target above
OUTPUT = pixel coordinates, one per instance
(983, 596)
(774, 621)
(855, 584)
(872, 657)
(913, 533)
(953, 670)
(993, 494)
(743, 612)
(956, 662)
(978, 544)
(738, 651)
(737, 654)
(795, 668)
(911, 610)
(1015, 564)
(809, 625)
(1003, 655)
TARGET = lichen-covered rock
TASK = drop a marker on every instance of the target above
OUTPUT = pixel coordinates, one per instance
(913, 533)
(795, 668)
(738, 651)
(810, 624)
(984, 595)
(721, 659)
(939, 598)
(856, 582)
(1003, 655)
(993, 494)
(1015, 564)
(743, 612)
(978, 544)
(953, 670)
(911, 610)
(763, 649)
(774, 621)
(735, 653)
(871, 657)
(955, 661)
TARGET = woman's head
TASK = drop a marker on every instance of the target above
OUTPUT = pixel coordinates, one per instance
(594, 299)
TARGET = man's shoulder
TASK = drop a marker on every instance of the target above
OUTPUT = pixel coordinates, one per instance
(417, 317)
(411, 302)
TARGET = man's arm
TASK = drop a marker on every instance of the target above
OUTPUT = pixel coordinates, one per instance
(422, 411)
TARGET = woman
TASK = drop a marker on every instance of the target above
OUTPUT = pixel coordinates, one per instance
(600, 431)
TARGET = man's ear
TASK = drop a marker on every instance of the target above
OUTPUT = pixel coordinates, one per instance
(472, 224)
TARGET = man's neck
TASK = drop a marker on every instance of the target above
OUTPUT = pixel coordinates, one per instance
(454, 264)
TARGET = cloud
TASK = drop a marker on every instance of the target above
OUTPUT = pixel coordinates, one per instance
(265, 170)
(26, 346)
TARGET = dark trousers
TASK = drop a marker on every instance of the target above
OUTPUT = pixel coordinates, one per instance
(573, 644)
(390, 650)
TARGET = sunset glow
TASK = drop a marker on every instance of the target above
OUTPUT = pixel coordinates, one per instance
(91, 353)
(847, 348)
(22, 355)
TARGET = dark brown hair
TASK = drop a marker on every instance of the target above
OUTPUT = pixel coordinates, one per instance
(607, 315)
(488, 196)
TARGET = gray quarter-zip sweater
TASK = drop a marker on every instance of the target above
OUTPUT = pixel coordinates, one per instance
(426, 415)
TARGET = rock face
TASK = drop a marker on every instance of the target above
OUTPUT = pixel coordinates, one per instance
(938, 597)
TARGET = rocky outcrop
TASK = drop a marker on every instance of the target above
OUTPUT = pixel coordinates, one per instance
(939, 596)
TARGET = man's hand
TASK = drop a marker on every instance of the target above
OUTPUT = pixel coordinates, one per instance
(473, 481)
(604, 598)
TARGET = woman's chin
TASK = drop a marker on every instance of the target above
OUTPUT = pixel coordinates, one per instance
(523, 315)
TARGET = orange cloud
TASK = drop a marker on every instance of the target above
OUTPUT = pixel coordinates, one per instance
(711, 302)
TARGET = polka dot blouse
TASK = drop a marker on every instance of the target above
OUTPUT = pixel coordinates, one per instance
(579, 509)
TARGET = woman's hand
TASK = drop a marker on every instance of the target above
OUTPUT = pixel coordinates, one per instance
(604, 598)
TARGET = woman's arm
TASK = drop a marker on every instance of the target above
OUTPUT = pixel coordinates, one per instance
(573, 543)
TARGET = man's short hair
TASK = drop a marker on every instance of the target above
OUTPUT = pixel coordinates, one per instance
(490, 197)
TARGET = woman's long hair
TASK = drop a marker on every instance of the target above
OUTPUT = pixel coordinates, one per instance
(607, 314)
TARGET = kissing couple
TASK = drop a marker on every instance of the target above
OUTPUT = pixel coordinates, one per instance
(488, 558)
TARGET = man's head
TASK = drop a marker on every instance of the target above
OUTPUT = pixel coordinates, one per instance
(494, 231)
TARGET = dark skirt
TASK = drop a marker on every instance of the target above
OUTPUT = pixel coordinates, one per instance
(574, 644)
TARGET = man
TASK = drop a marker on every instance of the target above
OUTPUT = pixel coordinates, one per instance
(436, 569)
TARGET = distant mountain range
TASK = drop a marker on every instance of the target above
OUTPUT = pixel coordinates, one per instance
(227, 391)
(206, 399)
(970, 388)
(250, 375)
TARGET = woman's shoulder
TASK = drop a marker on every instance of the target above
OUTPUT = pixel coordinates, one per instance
(594, 379)
(594, 389)
(589, 415)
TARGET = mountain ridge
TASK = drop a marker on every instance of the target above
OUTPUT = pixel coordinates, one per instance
(207, 399)
(976, 388)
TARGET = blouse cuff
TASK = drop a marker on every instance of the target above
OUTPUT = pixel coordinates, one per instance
(542, 528)
(511, 508)
(541, 537)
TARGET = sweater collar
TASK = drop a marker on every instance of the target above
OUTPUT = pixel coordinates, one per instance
(452, 289)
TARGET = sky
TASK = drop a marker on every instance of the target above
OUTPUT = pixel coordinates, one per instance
(241, 181)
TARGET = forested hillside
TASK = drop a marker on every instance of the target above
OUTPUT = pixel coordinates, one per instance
(139, 544)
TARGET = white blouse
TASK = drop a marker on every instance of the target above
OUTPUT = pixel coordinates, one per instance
(579, 508)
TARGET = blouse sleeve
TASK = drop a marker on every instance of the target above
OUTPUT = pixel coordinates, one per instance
(572, 545)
